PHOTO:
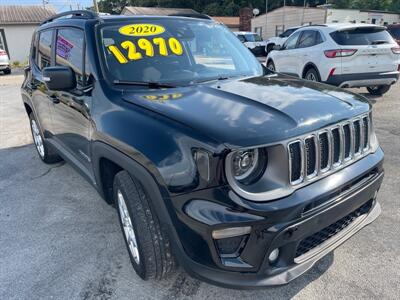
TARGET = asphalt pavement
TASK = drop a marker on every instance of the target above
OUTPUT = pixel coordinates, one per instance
(60, 240)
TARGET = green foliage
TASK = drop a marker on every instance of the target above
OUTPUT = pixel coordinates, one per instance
(231, 7)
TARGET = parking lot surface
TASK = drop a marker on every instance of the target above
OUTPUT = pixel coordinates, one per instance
(60, 240)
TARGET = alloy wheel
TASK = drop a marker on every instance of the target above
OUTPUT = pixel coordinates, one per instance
(128, 228)
(37, 138)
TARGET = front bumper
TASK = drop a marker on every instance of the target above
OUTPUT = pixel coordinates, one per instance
(258, 51)
(363, 79)
(284, 224)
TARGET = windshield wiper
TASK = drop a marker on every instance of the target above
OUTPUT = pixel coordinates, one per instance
(379, 42)
(150, 84)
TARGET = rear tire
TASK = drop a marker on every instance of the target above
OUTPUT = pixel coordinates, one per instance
(7, 72)
(46, 153)
(147, 243)
(378, 90)
(312, 75)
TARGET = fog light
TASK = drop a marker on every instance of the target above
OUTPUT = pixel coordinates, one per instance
(273, 256)
(230, 232)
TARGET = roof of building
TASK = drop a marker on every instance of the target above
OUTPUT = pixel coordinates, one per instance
(24, 14)
(158, 11)
(228, 21)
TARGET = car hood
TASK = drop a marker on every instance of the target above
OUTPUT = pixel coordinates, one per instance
(253, 111)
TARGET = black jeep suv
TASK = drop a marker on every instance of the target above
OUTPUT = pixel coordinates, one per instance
(243, 176)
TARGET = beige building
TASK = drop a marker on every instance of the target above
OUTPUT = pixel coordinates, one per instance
(17, 24)
(283, 18)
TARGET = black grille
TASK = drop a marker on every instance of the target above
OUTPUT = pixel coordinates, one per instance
(318, 238)
(324, 150)
(357, 136)
(328, 149)
(347, 140)
(336, 145)
(310, 153)
(366, 132)
(296, 160)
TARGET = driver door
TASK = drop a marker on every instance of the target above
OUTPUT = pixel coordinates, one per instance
(286, 57)
(71, 110)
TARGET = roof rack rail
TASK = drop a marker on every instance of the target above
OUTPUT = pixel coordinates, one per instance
(84, 14)
(191, 15)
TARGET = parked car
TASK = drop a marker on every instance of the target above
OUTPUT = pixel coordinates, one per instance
(4, 62)
(253, 41)
(344, 55)
(244, 177)
(279, 40)
(394, 30)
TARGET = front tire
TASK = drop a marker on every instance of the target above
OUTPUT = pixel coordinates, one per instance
(271, 66)
(312, 75)
(147, 243)
(46, 153)
(378, 90)
(7, 72)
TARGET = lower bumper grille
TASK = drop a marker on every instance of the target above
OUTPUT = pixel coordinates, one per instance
(325, 234)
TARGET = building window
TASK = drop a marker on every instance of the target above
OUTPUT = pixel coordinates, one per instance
(279, 29)
(258, 30)
(3, 43)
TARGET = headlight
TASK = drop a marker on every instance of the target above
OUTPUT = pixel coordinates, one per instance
(248, 165)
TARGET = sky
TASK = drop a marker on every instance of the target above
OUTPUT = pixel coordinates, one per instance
(59, 5)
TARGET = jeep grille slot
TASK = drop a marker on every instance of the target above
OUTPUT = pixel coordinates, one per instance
(331, 148)
(366, 132)
(347, 141)
(324, 151)
(310, 144)
(337, 146)
(296, 162)
(357, 137)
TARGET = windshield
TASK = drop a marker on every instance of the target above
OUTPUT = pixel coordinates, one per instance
(253, 38)
(172, 50)
(362, 36)
(288, 32)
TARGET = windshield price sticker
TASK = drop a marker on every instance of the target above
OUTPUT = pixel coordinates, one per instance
(141, 29)
(149, 48)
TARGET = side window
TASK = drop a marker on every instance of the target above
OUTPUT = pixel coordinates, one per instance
(44, 49)
(319, 39)
(292, 41)
(34, 45)
(69, 50)
(307, 39)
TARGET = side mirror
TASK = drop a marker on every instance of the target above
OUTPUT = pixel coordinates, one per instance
(59, 78)
(281, 35)
(277, 47)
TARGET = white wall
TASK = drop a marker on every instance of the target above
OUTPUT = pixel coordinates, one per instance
(353, 15)
(18, 39)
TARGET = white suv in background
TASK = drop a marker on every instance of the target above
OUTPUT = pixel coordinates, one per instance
(281, 39)
(345, 55)
(253, 41)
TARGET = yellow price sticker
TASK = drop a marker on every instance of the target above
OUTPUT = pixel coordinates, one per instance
(141, 29)
(149, 47)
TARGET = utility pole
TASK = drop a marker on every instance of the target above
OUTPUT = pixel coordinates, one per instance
(266, 18)
(96, 7)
